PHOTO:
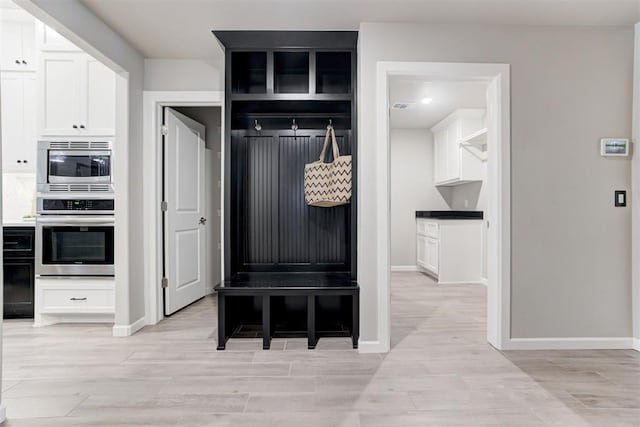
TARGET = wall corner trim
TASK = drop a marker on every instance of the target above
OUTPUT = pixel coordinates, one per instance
(128, 330)
(575, 343)
(399, 268)
(636, 344)
(3, 413)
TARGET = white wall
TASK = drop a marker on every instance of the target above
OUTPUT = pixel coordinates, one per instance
(412, 190)
(571, 261)
(74, 21)
(184, 74)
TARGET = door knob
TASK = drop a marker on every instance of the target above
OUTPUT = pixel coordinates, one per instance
(203, 220)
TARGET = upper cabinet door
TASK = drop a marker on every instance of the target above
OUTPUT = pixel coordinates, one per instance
(12, 116)
(98, 103)
(29, 130)
(29, 46)
(11, 46)
(59, 89)
(440, 156)
(18, 121)
(453, 151)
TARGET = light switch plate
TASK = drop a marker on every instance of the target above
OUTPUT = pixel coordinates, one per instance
(620, 198)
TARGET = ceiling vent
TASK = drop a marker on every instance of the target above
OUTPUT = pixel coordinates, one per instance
(402, 105)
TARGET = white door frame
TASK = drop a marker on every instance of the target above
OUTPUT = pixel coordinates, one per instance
(152, 139)
(498, 166)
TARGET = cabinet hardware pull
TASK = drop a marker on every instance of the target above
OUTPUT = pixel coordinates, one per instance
(19, 161)
(24, 62)
(81, 126)
(10, 243)
(25, 161)
(75, 126)
(78, 299)
(17, 62)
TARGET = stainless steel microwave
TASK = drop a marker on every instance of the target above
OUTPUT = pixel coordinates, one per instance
(75, 166)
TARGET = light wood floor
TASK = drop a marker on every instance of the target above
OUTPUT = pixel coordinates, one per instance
(440, 372)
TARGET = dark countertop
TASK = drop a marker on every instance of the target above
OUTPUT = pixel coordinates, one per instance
(450, 214)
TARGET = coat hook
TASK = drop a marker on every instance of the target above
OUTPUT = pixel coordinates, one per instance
(330, 125)
(294, 125)
(258, 126)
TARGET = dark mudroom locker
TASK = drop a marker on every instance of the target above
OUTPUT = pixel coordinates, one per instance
(290, 268)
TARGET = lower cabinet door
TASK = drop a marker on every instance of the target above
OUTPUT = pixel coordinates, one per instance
(421, 251)
(432, 254)
(19, 280)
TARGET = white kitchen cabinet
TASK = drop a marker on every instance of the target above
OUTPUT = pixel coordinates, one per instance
(450, 250)
(17, 43)
(453, 163)
(78, 96)
(86, 300)
(18, 121)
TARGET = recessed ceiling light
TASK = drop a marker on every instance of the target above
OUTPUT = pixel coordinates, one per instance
(426, 100)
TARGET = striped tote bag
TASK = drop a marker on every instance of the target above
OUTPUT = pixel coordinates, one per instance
(328, 184)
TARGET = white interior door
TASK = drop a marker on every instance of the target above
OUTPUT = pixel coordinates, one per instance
(185, 246)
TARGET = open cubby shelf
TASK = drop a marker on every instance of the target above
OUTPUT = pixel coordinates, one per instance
(249, 72)
(291, 72)
(333, 72)
(277, 73)
(290, 269)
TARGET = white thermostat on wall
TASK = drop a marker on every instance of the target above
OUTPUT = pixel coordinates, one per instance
(614, 147)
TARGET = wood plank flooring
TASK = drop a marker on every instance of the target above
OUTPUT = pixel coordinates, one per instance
(440, 371)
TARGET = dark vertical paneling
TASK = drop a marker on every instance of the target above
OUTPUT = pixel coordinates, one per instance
(275, 229)
(260, 200)
(329, 225)
(293, 211)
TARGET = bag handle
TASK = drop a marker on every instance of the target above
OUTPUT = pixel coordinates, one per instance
(336, 152)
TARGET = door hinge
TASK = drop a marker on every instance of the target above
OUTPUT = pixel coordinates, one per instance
(164, 206)
(164, 129)
(165, 283)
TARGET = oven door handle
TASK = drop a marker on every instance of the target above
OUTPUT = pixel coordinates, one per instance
(73, 220)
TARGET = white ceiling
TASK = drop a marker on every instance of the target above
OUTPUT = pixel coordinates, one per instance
(446, 96)
(182, 28)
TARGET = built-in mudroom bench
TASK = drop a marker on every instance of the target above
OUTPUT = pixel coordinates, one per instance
(289, 265)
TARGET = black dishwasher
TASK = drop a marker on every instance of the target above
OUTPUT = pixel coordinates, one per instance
(19, 275)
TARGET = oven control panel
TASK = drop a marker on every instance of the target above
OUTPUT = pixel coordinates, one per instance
(77, 204)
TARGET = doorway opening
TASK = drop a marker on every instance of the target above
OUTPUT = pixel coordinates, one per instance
(475, 134)
(191, 155)
(185, 171)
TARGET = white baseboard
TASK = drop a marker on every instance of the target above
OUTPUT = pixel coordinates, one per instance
(128, 330)
(372, 347)
(636, 344)
(484, 281)
(461, 283)
(41, 320)
(398, 268)
(570, 344)
(3, 413)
